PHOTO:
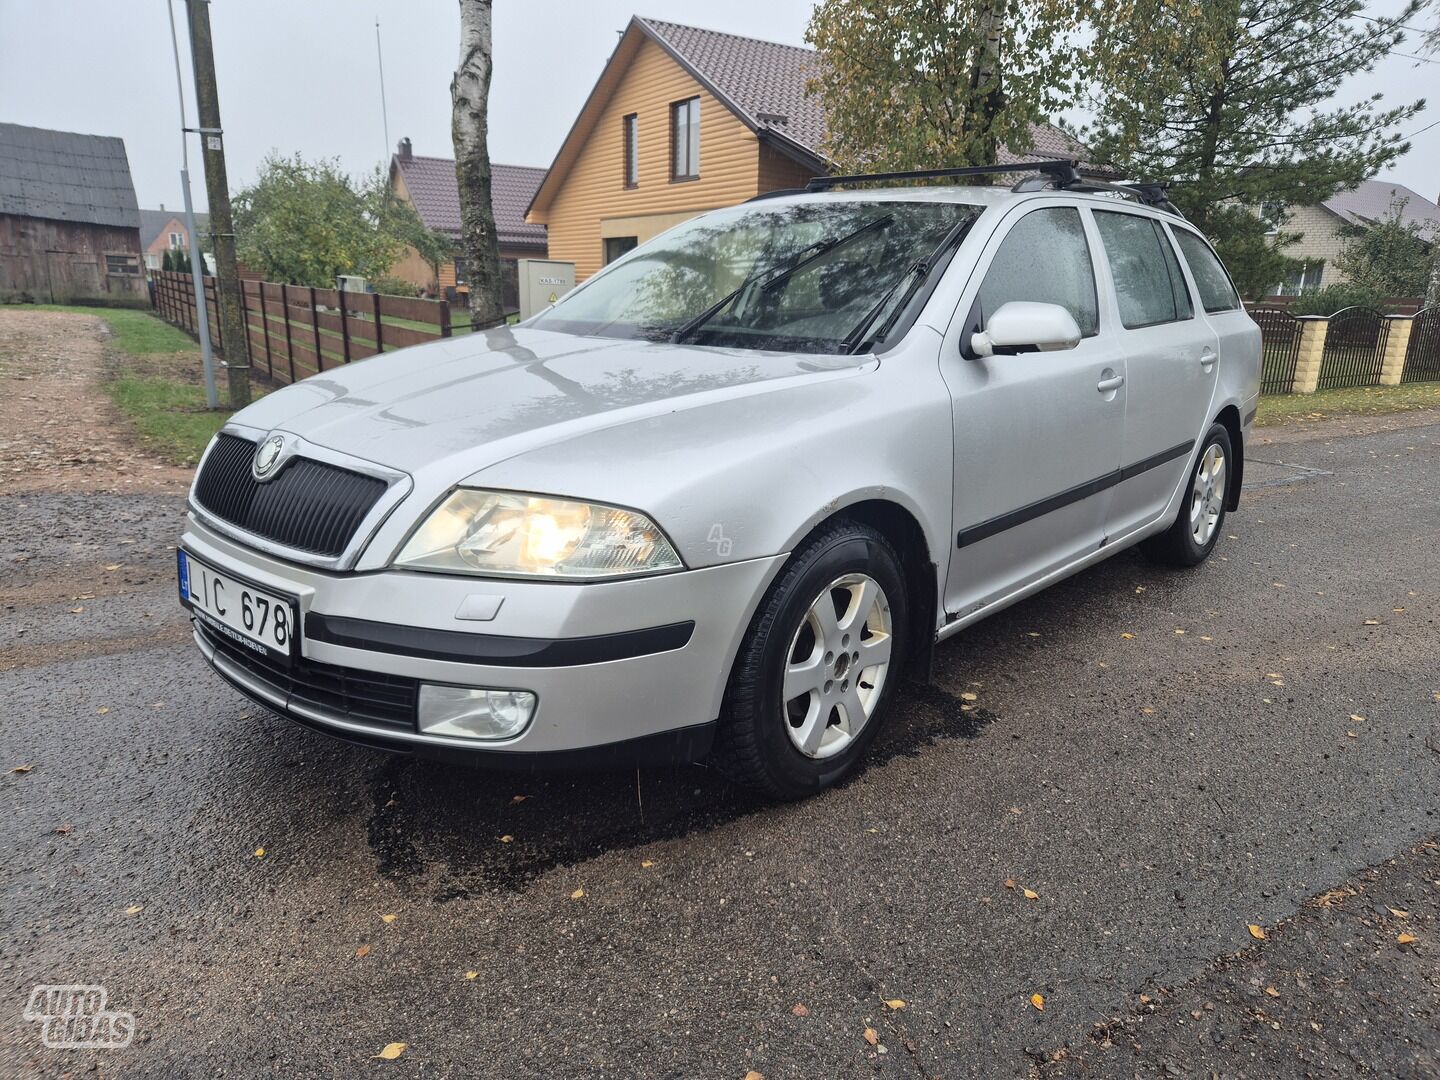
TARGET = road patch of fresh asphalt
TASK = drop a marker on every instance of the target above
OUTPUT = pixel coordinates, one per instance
(1160, 758)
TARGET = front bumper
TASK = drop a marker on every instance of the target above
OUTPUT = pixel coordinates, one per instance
(622, 671)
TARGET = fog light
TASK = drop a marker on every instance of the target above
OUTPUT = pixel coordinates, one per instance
(467, 712)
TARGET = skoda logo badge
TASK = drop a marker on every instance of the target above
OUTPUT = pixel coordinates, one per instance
(267, 457)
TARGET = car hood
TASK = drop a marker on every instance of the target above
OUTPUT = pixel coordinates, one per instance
(461, 405)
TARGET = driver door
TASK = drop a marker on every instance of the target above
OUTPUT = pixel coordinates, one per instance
(1038, 436)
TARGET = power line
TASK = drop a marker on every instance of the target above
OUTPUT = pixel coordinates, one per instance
(1422, 131)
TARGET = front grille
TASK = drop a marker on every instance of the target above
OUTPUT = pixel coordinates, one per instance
(366, 697)
(309, 505)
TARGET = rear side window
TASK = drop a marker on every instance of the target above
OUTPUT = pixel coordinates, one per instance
(1044, 259)
(1216, 292)
(1148, 283)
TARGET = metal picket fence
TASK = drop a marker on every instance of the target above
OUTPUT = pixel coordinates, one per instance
(1354, 348)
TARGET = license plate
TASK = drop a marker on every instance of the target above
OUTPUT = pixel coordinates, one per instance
(258, 619)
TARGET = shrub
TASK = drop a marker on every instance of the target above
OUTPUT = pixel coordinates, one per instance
(394, 286)
(1332, 298)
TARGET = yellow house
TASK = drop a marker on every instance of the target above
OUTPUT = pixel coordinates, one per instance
(684, 120)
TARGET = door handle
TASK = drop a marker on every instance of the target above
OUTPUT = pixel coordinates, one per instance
(1112, 383)
(1208, 358)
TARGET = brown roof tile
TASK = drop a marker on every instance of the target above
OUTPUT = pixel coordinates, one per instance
(431, 184)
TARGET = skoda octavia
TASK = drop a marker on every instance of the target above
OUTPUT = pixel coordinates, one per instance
(721, 498)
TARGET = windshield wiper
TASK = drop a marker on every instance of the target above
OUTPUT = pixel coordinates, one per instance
(916, 275)
(776, 275)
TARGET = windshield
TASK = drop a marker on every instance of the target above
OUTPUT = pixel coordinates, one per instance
(798, 277)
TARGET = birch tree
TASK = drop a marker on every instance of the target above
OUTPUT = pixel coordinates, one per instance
(469, 131)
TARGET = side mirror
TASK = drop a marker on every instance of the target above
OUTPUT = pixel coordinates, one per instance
(1023, 326)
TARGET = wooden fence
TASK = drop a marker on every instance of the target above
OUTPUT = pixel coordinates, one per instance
(293, 331)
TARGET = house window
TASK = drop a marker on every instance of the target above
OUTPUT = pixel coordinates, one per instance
(1302, 281)
(631, 126)
(124, 265)
(615, 246)
(177, 240)
(685, 139)
(461, 276)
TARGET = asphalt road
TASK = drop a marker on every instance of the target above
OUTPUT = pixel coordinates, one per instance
(1268, 732)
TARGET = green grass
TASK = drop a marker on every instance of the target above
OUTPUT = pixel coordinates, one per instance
(158, 391)
(138, 333)
(170, 416)
(1350, 401)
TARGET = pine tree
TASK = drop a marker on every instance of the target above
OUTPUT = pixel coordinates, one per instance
(1232, 101)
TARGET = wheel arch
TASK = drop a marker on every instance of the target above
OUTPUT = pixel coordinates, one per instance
(899, 525)
(1230, 417)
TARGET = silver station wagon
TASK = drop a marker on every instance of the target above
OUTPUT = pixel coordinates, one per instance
(719, 500)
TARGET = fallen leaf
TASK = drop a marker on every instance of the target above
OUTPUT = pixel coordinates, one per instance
(1032, 633)
(647, 863)
(1399, 913)
(1009, 883)
(1351, 735)
(1031, 894)
(968, 696)
(1357, 718)
(507, 839)
(64, 830)
(1147, 710)
(872, 1036)
(1206, 637)
(362, 952)
(1139, 588)
(1372, 622)
(1404, 939)
(1272, 991)
(113, 566)
(259, 852)
(1398, 610)
(134, 909)
(1128, 637)
(518, 798)
(76, 610)
(799, 1010)
(388, 918)
(103, 709)
(391, 1051)
(577, 894)
(895, 1003)
(472, 975)
(1257, 932)
(1038, 1000)
(753, 1075)
(1179, 631)
(22, 769)
(1272, 675)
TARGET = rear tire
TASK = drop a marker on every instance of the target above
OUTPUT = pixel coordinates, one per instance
(1189, 541)
(818, 666)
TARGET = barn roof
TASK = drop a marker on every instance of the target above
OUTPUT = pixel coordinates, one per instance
(431, 184)
(66, 176)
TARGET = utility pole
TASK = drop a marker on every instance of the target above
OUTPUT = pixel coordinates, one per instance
(234, 344)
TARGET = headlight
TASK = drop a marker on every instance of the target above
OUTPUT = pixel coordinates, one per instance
(492, 532)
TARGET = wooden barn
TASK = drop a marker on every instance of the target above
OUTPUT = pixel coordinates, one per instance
(69, 222)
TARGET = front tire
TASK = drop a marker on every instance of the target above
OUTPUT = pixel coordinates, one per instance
(1189, 541)
(818, 666)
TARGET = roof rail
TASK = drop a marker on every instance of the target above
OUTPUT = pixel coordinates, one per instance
(1150, 194)
(1054, 168)
(1061, 174)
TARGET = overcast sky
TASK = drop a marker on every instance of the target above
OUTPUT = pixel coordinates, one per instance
(301, 75)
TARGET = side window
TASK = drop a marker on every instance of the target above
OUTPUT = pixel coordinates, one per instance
(1045, 259)
(1148, 282)
(1216, 292)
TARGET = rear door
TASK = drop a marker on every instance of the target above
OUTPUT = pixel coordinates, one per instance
(1036, 434)
(1171, 362)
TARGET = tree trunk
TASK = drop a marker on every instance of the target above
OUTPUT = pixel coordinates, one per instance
(469, 130)
(985, 82)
